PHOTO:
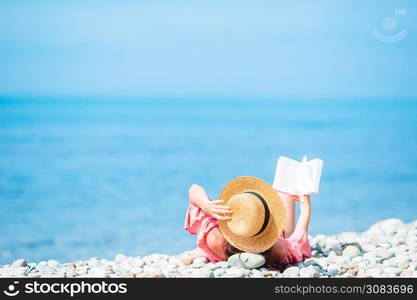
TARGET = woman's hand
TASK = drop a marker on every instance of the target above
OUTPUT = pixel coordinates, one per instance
(198, 197)
(305, 210)
(302, 199)
(299, 197)
(218, 211)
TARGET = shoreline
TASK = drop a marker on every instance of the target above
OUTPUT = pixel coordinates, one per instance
(387, 249)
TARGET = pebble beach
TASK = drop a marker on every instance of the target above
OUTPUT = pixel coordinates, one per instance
(386, 249)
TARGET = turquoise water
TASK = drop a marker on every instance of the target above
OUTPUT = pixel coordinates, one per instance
(82, 178)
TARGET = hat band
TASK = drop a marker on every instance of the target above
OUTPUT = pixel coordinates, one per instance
(266, 218)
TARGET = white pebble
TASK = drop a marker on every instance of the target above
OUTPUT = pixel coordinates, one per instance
(292, 272)
(53, 263)
(19, 263)
(120, 257)
(351, 251)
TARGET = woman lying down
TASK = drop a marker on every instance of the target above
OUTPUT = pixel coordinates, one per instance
(249, 216)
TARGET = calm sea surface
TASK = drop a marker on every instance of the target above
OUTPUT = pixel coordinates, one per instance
(82, 178)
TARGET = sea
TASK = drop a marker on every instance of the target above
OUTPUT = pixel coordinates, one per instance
(87, 177)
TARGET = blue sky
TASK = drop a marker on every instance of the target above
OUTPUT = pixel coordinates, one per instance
(227, 49)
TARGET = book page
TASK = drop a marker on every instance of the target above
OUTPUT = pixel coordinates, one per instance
(287, 175)
(307, 179)
(292, 176)
(315, 169)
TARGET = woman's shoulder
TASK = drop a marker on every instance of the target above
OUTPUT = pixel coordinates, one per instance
(215, 241)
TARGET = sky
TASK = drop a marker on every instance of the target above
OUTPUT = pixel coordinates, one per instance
(208, 49)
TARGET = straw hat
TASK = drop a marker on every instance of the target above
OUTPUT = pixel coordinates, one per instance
(258, 214)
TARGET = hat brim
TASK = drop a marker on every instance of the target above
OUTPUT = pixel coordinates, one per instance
(273, 230)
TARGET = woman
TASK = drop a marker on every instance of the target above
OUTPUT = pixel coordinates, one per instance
(218, 225)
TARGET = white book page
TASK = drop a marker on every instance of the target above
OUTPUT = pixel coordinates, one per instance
(292, 176)
(317, 167)
(287, 175)
(308, 185)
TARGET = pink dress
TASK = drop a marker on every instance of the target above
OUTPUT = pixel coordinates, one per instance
(197, 222)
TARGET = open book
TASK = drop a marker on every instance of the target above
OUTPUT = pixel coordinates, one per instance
(292, 176)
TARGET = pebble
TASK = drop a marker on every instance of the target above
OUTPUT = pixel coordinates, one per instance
(257, 274)
(351, 251)
(120, 257)
(332, 271)
(128, 275)
(211, 266)
(19, 263)
(391, 226)
(218, 272)
(150, 269)
(385, 253)
(247, 260)
(139, 262)
(340, 260)
(19, 271)
(310, 272)
(235, 272)
(392, 271)
(223, 264)
(205, 273)
(292, 272)
(53, 263)
(337, 249)
(199, 262)
(406, 273)
(374, 272)
(387, 249)
(186, 260)
(42, 263)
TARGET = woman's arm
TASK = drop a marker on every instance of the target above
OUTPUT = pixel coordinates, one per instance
(278, 249)
(305, 212)
(289, 213)
(198, 196)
